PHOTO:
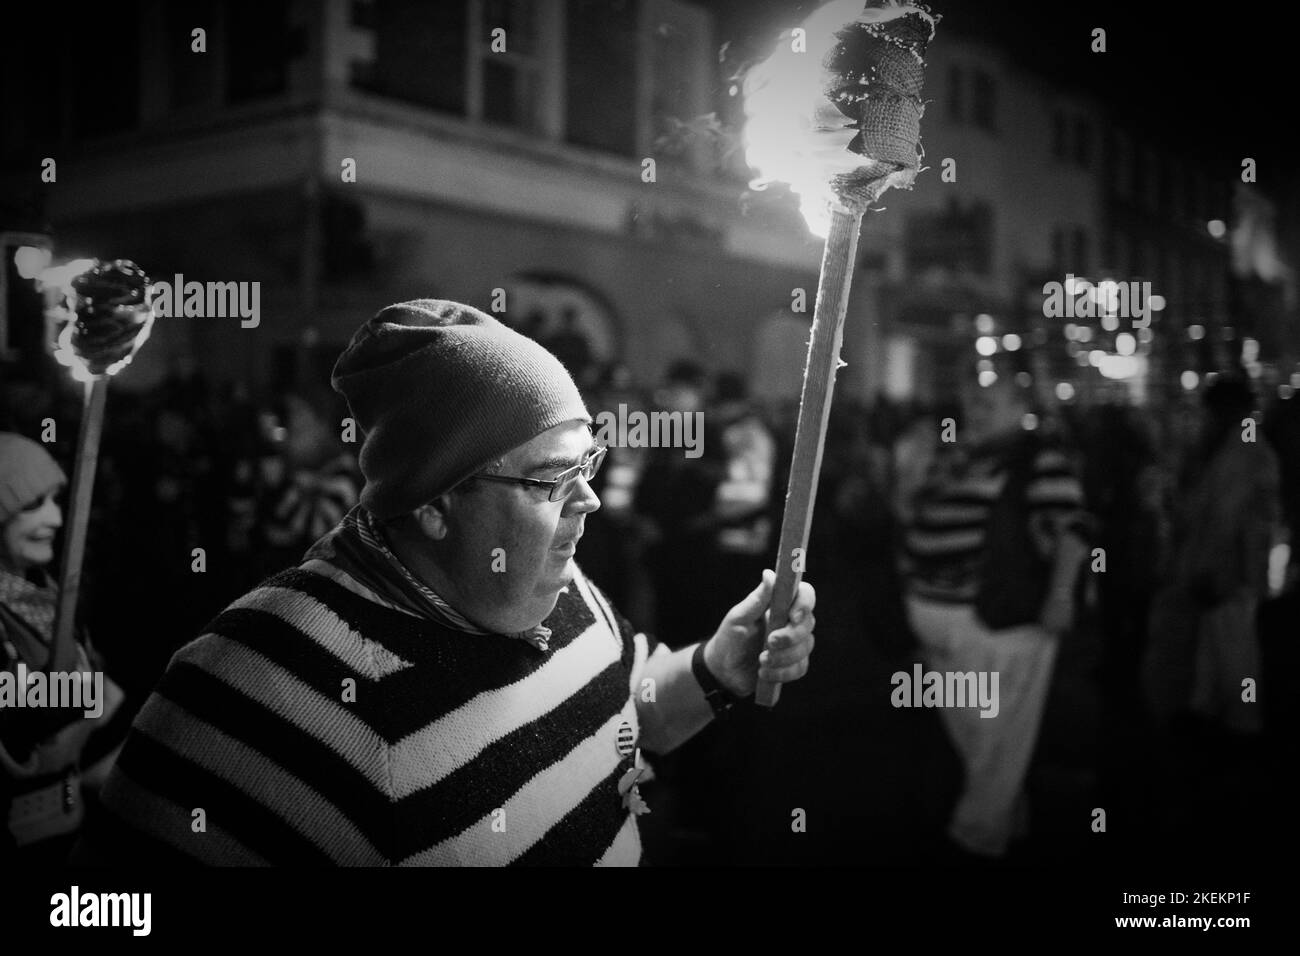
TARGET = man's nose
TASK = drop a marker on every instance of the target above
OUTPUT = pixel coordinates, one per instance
(584, 499)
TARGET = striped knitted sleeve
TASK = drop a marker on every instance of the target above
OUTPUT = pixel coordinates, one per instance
(638, 645)
(231, 758)
(1055, 492)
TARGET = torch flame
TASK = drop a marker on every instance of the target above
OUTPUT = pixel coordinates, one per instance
(793, 133)
(61, 299)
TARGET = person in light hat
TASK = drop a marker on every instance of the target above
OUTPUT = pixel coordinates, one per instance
(438, 682)
(51, 758)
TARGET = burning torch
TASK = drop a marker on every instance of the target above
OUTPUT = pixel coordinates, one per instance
(835, 113)
(109, 318)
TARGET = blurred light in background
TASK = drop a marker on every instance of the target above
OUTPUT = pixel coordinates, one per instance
(900, 367)
(1120, 366)
(1279, 557)
(987, 379)
(1189, 380)
(1095, 357)
(1024, 379)
(1110, 322)
(986, 345)
(1218, 229)
(1064, 391)
(30, 261)
(1029, 422)
(984, 324)
(1011, 342)
(1125, 344)
(1249, 350)
(1196, 332)
(1085, 333)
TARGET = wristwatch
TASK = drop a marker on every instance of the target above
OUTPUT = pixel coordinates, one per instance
(719, 698)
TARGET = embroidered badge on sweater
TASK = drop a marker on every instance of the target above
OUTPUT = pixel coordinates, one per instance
(627, 786)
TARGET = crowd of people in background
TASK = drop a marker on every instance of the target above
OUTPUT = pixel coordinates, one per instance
(204, 490)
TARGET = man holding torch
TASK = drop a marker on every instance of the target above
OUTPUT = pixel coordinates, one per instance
(437, 683)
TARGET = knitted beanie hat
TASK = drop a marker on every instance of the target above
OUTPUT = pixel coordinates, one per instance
(27, 473)
(441, 390)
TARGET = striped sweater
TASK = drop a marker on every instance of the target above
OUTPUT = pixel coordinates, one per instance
(454, 748)
(944, 540)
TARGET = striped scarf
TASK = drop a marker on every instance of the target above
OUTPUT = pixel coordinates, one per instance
(320, 721)
(33, 603)
(358, 548)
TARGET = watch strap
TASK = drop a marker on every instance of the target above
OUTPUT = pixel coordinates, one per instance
(719, 698)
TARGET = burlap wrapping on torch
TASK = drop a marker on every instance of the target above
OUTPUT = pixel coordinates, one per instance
(876, 71)
(112, 312)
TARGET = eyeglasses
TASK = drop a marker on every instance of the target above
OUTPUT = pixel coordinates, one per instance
(561, 485)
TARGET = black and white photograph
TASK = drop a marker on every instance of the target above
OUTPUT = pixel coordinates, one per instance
(795, 444)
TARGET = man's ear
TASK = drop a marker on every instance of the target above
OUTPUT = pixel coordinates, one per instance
(432, 517)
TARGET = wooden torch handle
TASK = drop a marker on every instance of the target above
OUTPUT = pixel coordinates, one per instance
(814, 411)
(64, 655)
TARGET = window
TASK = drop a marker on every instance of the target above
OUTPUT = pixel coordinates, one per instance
(677, 41)
(191, 78)
(600, 76)
(258, 49)
(955, 105)
(984, 106)
(441, 55)
(956, 239)
(623, 76)
(505, 85)
(420, 53)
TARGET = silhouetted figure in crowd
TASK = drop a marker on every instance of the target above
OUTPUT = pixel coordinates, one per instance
(1204, 641)
(992, 552)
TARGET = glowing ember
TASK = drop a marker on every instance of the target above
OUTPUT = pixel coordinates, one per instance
(839, 102)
